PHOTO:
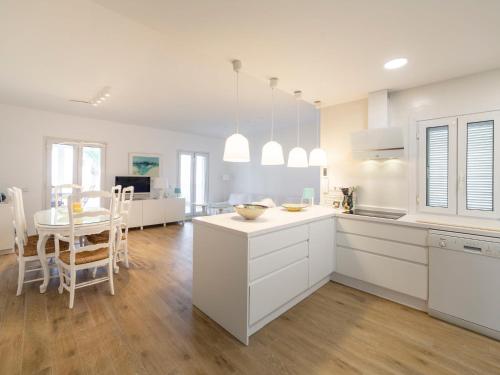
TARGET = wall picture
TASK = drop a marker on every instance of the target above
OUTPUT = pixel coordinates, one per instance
(144, 165)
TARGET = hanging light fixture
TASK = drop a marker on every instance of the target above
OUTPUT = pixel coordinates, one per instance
(297, 157)
(317, 157)
(272, 152)
(236, 149)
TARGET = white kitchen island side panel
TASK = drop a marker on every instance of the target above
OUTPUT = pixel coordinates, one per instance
(220, 278)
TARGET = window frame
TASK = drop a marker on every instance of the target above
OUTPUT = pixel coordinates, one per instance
(422, 127)
(463, 122)
(77, 162)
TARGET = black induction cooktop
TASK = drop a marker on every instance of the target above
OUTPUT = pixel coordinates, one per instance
(380, 214)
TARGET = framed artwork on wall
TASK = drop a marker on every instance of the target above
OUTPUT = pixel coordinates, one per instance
(141, 164)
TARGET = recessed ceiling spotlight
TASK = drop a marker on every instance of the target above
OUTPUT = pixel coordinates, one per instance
(396, 63)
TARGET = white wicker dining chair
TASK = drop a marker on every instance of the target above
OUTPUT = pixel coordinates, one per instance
(121, 254)
(89, 256)
(26, 246)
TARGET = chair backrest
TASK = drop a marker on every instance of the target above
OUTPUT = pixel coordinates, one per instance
(116, 191)
(60, 193)
(17, 224)
(74, 217)
(126, 204)
(21, 215)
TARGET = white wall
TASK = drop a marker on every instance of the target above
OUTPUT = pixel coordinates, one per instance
(278, 182)
(391, 183)
(22, 145)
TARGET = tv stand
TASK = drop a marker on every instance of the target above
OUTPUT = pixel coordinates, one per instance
(145, 212)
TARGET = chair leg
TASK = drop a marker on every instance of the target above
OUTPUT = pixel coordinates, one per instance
(20, 277)
(72, 288)
(125, 254)
(110, 274)
(61, 278)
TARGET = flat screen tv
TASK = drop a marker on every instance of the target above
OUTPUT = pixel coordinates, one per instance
(141, 184)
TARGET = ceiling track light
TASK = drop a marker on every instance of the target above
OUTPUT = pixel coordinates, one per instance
(100, 97)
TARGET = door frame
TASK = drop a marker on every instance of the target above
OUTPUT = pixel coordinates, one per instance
(193, 174)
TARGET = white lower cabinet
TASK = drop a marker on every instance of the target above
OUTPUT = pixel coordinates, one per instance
(321, 250)
(391, 257)
(146, 212)
(276, 289)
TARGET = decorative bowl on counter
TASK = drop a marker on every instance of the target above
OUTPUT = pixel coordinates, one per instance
(250, 211)
(294, 207)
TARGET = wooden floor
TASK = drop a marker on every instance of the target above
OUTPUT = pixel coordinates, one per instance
(150, 327)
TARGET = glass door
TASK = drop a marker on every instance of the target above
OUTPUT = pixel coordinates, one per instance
(72, 162)
(193, 180)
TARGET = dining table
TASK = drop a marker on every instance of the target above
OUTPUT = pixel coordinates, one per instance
(55, 221)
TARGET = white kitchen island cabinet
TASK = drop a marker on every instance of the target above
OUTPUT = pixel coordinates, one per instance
(247, 273)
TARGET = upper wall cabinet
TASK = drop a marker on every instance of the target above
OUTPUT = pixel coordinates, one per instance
(459, 165)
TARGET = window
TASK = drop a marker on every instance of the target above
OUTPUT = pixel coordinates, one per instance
(74, 162)
(458, 172)
(193, 180)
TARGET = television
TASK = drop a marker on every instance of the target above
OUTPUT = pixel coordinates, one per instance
(141, 184)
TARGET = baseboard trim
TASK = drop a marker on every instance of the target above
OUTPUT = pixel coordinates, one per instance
(465, 324)
(403, 299)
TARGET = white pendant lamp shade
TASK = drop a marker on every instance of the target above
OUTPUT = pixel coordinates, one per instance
(297, 158)
(272, 154)
(236, 149)
(317, 158)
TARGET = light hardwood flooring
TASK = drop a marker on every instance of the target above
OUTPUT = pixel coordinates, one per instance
(150, 327)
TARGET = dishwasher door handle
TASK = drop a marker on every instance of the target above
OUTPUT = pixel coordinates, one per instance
(473, 249)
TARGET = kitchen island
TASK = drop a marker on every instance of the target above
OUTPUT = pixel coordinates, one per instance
(247, 273)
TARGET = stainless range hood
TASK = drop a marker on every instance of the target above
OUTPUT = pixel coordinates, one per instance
(379, 141)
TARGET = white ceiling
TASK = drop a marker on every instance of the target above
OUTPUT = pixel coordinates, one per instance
(168, 61)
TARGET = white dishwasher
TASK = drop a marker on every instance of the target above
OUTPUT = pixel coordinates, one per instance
(464, 280)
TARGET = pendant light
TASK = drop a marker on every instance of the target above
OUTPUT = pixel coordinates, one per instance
(297, 157)
(236, 149)
(317, 157)
(272, 152)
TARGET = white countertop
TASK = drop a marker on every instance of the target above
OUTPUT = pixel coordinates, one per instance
(272, 219)
(278, 218)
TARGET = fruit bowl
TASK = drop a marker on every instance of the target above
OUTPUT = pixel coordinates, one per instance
(250, 211)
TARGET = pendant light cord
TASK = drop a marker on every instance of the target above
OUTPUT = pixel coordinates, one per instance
(272, 113)
(298, 122)
(237, 103)
(318, 127)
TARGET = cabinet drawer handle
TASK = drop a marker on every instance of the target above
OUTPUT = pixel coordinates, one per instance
(472, 248)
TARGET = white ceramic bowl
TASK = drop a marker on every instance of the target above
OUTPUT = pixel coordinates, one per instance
(250, 211)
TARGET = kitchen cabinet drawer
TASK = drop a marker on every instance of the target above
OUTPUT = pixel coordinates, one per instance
(391, 232)
(270, 242)
(276, 289)
(398, 275)
(276, 260)
(393, 249)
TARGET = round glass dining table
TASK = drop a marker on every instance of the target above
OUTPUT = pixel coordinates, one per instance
(56, 221)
